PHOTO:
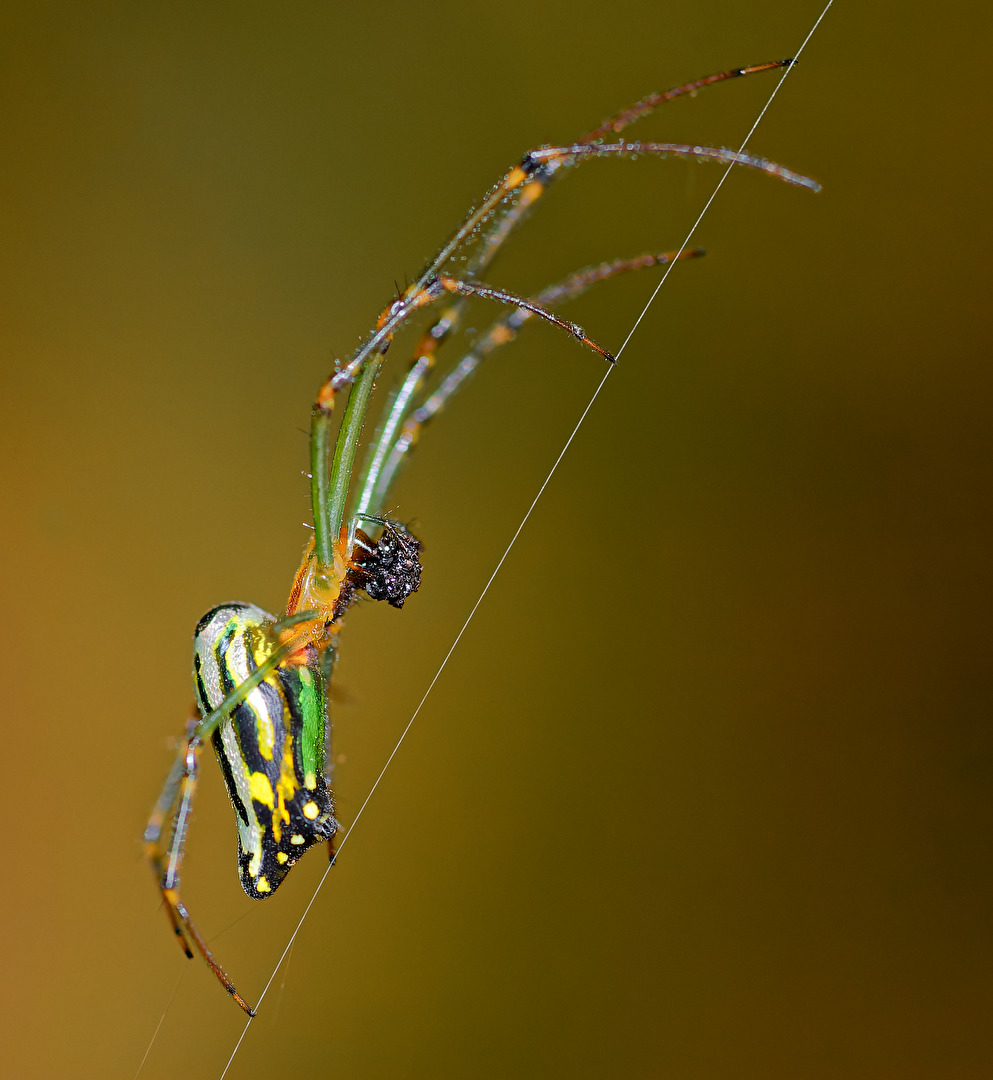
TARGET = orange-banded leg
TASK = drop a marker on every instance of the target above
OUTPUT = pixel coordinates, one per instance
(536, 181)
(330, 488)
(487, 226)
(415, 299)
(539, 178)
(423, 291)
(386, 460)
(508, 204)
(181, 786)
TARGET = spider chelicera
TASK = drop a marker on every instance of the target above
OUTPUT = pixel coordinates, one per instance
(261, 681)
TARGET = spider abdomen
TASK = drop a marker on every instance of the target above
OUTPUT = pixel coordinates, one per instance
(271, 748)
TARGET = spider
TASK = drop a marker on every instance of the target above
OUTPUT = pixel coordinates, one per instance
(261, 681)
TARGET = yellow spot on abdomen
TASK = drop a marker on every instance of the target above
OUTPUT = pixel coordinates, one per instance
(266, 734)
(286, 786)
(261, 789)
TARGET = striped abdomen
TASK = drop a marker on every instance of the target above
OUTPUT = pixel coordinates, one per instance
(271, 748)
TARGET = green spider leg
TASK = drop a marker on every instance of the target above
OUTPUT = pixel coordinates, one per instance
(329, 489)
(502, 210)
(514, 211)
(386, 461)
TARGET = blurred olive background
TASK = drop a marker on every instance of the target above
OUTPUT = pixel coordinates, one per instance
(705, 789)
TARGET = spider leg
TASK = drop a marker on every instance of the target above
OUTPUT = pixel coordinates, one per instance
(649, 104)
(163, 811)
(385, 462)
(577, 283)
(536, 168)
(468, 288)
(488, 225)
(175, 804)
(424, 358)
(525, 178)
(422, 294)
(399, 401)
(536, 186)
(489, 244)
(329, 487)
(397, 406)
(577, 151)
(180, 787)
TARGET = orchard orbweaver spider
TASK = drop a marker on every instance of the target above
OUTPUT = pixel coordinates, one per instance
(261, 681)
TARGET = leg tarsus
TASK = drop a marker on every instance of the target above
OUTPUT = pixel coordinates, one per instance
(649, 104)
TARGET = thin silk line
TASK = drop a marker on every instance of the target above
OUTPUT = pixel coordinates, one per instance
(158, 1026)
(510, 545)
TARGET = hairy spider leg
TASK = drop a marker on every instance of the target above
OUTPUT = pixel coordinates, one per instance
(329, 492)
(534, 182)
(177, 911)
(330, 487)
(575, 151)
(512, 182)
(445, 284)
(542, 177)
(514, 212)
(382, 473)
(651, 102)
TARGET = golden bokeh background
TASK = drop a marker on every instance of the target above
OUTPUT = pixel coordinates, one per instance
(705, 789)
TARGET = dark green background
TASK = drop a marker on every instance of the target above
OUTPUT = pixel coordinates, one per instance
(705, 790)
